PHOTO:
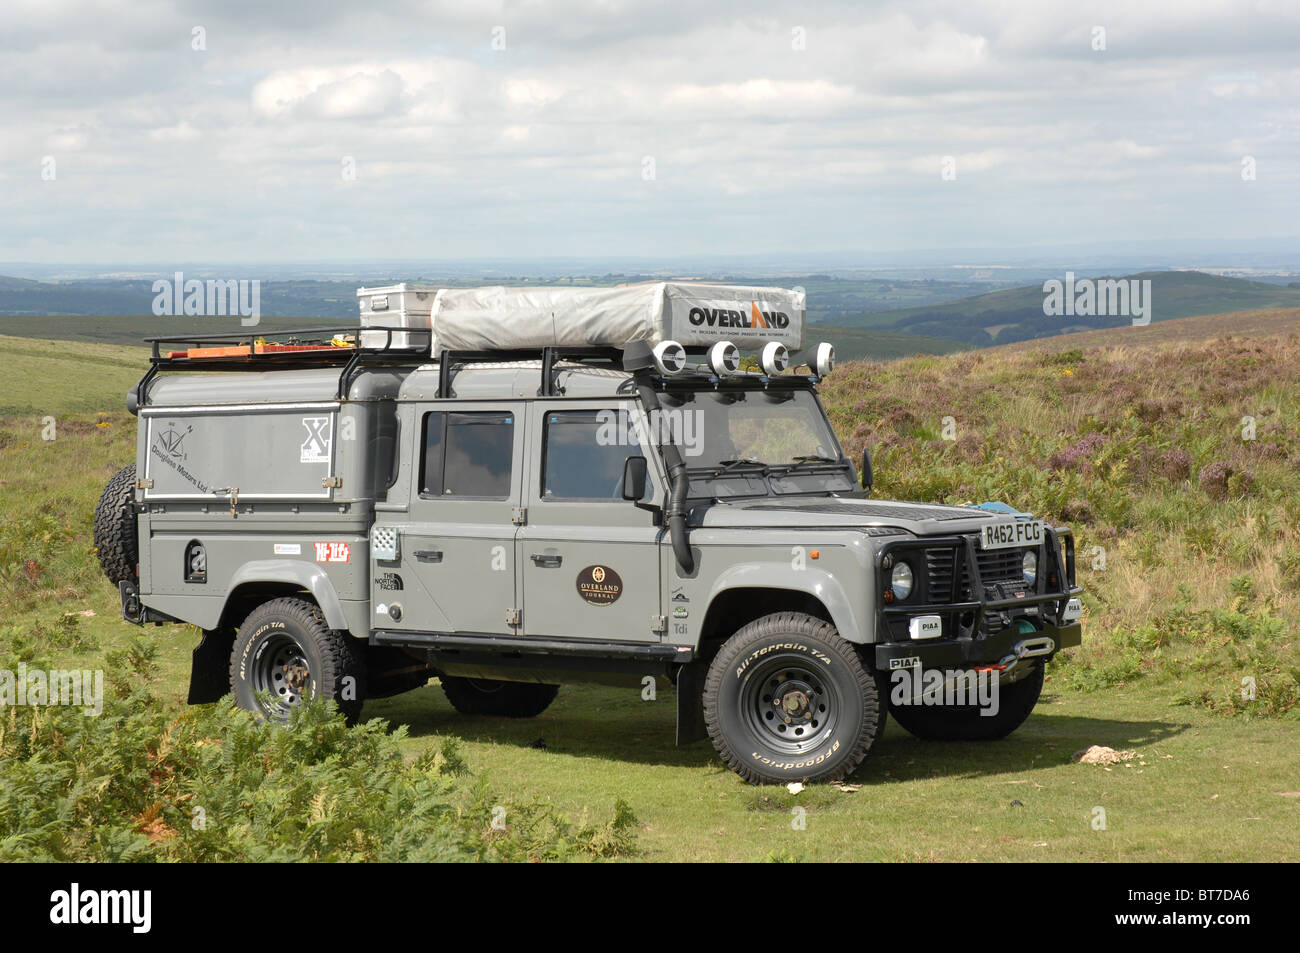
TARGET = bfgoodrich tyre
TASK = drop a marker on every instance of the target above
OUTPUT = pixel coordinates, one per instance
(116, 542)
(788, 699)
(285, 652)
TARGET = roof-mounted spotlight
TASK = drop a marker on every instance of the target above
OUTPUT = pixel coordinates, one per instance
(724, 359)
(775, 358)
(824, 359)
(670, 358)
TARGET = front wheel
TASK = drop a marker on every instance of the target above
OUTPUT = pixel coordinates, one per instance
(788, 699)
(284, 652)
(969, 722)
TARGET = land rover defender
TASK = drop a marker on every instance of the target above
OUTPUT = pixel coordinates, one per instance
(514, 489)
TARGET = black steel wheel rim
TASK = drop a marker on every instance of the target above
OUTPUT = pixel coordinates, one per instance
(282, 671)
(790, 705)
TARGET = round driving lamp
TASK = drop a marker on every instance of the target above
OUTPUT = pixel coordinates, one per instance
(1029, 566)
(901, 580)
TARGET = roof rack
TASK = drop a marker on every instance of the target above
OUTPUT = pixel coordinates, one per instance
(447, 359)
(242, 351)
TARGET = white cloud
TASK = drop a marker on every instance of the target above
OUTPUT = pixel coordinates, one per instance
(236, 150)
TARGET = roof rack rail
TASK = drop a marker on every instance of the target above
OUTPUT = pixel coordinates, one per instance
(242, 351)
(447, 359)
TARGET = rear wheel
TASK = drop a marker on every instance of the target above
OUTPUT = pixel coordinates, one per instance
(788, 699)
(285, 652)
(489, 696)
(116, 543)
(968, 722)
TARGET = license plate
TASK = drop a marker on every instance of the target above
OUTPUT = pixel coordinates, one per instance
(1009, 535)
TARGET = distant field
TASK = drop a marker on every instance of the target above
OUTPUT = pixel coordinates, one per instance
(60, 377)
(828, 297)
(850, 343)
(856, 344)
(134, 329)
(1017, 314)
(1238, 324)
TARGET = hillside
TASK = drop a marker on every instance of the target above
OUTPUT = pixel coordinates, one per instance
(1017, 313)
(1187, 519)
(856, 344)
(65, 377)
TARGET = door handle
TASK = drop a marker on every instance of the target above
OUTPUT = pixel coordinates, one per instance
(429, 555)
(547, 560)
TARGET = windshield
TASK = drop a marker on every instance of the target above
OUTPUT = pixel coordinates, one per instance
(751, 442)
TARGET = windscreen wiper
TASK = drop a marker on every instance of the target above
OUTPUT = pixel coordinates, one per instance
(809, 458)
(724, 466)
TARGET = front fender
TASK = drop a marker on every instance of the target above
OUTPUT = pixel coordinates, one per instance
(822, 585)
(295, 572)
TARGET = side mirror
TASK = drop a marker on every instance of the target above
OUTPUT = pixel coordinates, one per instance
(866, 475)
(635, 472)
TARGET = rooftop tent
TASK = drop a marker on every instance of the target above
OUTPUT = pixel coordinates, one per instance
(694, 314)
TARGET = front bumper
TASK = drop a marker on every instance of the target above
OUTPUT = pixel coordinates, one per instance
(973, 653)
(983, 622)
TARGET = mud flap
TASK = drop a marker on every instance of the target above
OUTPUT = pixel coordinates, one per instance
(690, 704)
(210, 667)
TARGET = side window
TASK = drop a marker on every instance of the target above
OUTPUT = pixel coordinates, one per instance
(467, 454)
(383, 451)
(584, 454)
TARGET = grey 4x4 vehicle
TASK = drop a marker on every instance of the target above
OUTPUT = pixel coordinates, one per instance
(350, 521)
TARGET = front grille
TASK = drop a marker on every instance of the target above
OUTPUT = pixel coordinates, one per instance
(938, 568)
(1000, 565)
(997, 565)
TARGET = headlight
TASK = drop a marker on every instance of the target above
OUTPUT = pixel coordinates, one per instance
(901, 581)
(1029, 566)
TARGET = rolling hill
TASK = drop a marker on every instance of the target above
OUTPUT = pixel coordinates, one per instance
(1017, 314)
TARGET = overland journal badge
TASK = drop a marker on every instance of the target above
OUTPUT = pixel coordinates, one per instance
(599, 585)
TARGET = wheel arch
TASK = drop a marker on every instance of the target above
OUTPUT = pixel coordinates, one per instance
(755, 590)
(263, 580)
(731, 608)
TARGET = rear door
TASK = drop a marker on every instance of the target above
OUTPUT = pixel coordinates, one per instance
(458, 550)
(589, 560)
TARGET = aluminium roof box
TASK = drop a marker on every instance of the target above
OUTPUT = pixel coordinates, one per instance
(395, 306)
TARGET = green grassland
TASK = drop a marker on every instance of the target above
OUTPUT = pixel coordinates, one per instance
(1131, 435)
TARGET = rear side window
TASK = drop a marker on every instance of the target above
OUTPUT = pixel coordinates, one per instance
(467, 454)
(383, 451)
(584, 455)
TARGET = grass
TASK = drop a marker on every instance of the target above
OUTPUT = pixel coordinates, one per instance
(61, 377)
(1199, 591)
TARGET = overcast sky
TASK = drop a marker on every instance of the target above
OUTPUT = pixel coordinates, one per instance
(661, 128)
